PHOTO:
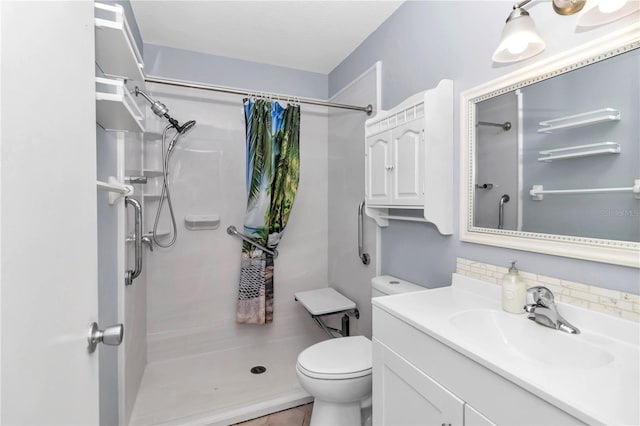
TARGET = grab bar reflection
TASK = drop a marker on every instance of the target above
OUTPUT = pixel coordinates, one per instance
(131, 275)
(504, 199)
(231, 230)
(364, 257)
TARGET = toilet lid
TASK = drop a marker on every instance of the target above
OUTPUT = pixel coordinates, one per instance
(340, 358)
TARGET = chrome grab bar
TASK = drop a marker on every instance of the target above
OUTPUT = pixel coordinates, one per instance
(231, 230)
(364, 257)
(504, 199)
(137, 238)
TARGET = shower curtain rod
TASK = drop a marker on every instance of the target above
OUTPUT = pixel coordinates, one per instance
(181, 83)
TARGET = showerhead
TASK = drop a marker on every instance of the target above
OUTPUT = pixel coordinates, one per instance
(161, 110)
(181, 131)
(186, 127)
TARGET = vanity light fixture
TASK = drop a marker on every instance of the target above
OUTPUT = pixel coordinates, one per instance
(520, 40)
(599, 12)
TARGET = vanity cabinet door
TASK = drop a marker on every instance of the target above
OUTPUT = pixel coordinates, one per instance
(404, 395)
(474, 418)
(408, 164)
(379, 169)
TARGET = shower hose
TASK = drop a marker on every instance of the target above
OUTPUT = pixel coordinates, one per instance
(165, 195)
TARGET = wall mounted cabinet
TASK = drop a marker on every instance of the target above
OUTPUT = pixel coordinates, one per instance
(409, 160)
(395, 172)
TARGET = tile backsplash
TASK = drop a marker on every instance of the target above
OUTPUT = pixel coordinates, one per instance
(612, 302)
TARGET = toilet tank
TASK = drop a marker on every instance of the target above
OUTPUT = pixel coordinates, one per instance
(385, 285)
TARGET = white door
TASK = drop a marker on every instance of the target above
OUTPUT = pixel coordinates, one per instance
(404, 395)
(48, 213)
(408, 158)
(379, 169)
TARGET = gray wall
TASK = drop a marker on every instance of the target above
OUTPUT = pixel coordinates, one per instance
(424, 42)
(193, 66)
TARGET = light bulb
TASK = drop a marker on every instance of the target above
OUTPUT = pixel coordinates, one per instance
(611, 6)
(517, 45)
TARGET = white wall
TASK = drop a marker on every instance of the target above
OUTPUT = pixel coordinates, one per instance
(192, 286)
(346, 191)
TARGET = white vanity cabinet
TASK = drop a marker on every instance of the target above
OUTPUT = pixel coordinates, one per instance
(417, 380)
(395, 166)
(406, 396)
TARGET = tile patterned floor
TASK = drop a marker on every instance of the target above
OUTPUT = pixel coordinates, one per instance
(298, 416)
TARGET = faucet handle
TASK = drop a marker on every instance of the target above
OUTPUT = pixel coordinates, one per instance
(542, 296)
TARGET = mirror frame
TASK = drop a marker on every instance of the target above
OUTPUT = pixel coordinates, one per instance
(626, 253)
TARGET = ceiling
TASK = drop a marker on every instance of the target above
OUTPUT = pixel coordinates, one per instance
(306, 35)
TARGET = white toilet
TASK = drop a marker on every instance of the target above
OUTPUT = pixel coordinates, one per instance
(337, 372)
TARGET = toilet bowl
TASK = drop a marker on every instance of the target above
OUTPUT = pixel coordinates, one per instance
(337, 372)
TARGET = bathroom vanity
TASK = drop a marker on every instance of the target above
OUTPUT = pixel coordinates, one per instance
(451, 356)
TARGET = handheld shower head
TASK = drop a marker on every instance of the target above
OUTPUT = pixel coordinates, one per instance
(187, 126)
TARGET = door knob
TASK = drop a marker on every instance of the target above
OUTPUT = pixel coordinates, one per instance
(109, 336)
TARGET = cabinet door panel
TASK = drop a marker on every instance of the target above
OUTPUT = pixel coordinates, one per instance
(379, 166)
(408, 152)
(474, 418)
(404, 395)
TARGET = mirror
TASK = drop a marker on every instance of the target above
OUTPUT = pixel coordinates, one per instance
(551, 155)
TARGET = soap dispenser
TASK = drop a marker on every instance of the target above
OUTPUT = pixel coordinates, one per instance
(514, 291)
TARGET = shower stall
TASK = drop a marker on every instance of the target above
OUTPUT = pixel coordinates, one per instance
(200, 366)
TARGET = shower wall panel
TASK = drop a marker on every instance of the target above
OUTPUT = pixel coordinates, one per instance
(346, 191)
(192, 286)
(133, 298)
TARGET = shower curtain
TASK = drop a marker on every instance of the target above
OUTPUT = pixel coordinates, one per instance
(273, 171)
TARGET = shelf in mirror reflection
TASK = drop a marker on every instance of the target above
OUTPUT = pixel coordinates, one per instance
(578, 120)
(577, 151)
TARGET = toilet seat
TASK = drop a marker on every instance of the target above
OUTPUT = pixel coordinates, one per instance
(336, 359)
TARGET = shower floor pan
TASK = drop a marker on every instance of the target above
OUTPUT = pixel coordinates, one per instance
(218, 388)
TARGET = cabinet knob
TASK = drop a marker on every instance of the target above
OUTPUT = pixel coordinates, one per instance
(388, 167)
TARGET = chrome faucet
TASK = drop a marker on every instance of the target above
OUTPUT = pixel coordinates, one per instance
(147, 240)
(544, 311)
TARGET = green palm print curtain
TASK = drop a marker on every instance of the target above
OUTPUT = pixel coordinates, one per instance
(273, 171)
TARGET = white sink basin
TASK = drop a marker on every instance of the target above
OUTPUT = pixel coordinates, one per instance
(533, 342)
